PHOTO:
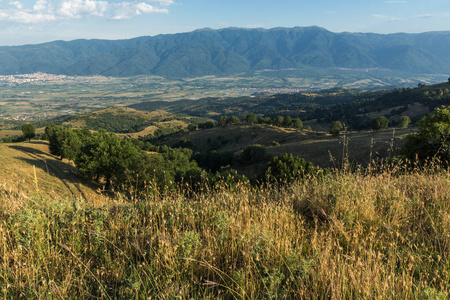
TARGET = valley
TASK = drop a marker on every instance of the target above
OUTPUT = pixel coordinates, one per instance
(38, 97)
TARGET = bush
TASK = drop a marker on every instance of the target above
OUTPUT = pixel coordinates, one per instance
(289, 167)
(336, 128)
(297, 123)
(14, 139)
(233, 120)
(192, 127)
(380, 123)
(253, 154)
(207, 125)
(433, 138)
(404, 122)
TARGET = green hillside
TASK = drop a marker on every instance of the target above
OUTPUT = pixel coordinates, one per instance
(355, 108)
(126, 121)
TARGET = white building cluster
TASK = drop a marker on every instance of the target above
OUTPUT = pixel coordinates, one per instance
(23, 78)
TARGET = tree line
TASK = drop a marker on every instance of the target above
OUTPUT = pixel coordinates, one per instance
(251, 118)
(131, 165)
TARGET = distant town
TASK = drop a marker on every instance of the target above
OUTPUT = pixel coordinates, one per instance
(24, 78)
(44, 77)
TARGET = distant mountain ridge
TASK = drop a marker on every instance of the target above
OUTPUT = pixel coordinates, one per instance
(232, 50)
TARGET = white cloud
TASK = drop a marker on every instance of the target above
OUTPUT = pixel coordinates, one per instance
(162, 2)
(144, 8)
(383, 17)
(379, 17)
(78, 9)
(24, 17)
(51, 10)
(41, 5)
(424, 16)
(16, 4)
(127, 10)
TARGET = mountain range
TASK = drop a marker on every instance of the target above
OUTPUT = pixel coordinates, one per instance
(231, 51)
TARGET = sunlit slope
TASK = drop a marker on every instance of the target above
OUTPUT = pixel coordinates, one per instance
(28, 168)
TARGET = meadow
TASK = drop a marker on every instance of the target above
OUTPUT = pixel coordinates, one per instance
(362, 234)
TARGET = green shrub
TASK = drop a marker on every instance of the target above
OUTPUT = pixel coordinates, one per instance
(289, 167)
(253, 154)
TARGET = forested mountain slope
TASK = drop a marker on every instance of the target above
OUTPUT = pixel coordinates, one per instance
(232, 51)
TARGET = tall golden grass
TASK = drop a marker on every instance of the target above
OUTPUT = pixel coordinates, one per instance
(344, 236)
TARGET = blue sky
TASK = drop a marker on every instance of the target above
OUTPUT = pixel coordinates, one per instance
(37, 21)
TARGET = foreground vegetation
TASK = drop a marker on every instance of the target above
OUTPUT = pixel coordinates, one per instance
(346, 235)
(176, 230)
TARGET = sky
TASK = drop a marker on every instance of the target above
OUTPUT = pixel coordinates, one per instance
(38, 21)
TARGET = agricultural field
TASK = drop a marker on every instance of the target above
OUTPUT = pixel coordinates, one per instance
(39, 96)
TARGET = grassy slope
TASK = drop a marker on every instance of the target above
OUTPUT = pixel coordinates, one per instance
(158, 119)
(24, 163)
(310, 145)
(348, 236)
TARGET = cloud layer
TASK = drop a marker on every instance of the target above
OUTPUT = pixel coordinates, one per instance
(52, 10)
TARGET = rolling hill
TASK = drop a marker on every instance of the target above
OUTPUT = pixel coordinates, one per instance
(232, 51)
(355, 108)
(29, 168)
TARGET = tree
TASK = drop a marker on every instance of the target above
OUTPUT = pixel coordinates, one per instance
(222, 121)
(28, 131)
(336, 127)
(289, 167)
(433, 138)
(253, 154)
(55, 140)
(266, 120)
(404, 122)
(71, 145)
(297, 123)
(380, 123)
(192, 127)
(107, 157)
(287, 122)
(207, 124)
(250, 118)
(65, 142)
(278, 121)
(233, 120)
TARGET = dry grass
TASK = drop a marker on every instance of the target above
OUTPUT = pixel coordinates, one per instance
(22, 163)
(6, 133)
(345, 236)
(314, 146)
